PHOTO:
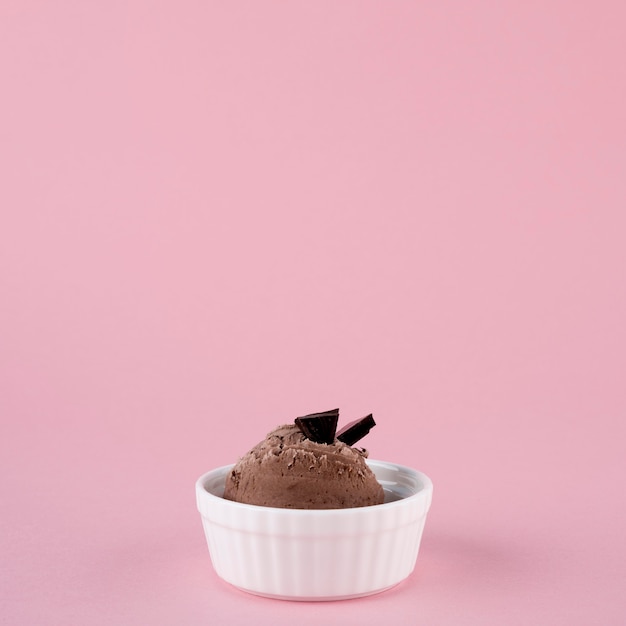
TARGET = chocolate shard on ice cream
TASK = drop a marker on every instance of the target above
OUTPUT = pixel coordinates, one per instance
(320, 427)
(289, 470)
(352, 432)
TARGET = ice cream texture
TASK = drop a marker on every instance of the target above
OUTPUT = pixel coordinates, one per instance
(289, 470)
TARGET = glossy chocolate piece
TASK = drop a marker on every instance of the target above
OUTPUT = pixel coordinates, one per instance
(356, 430)
(319, 427)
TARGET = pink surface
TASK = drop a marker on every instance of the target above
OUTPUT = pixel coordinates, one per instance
(217, 216)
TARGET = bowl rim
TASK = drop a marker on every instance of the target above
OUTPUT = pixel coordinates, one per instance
(424, 491)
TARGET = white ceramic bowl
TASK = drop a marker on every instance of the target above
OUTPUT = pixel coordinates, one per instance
(297, 554)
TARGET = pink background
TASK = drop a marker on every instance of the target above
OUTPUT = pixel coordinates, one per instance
(216, 216)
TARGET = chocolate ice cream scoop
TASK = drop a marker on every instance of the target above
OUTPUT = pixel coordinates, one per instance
(289, 470)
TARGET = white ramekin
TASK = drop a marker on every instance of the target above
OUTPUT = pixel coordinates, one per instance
(297, 554)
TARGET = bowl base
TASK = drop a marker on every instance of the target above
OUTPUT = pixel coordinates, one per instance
(314, 598)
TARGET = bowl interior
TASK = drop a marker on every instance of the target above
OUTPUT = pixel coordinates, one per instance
(214, 481)
(398, 482)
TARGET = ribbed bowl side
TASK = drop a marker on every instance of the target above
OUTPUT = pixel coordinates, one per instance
(314, 567)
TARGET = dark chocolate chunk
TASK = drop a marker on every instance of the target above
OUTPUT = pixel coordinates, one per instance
(352, 432)
(319, 427)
